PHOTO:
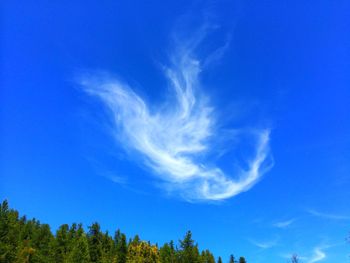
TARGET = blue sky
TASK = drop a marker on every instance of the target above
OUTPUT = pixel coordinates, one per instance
(228, 118)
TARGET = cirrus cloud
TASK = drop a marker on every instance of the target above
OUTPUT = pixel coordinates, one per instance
(173, 137)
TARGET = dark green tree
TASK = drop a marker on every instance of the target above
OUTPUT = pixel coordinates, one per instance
(207, 257)
(61, 244)
(121, 247)
(42, 242)
(95, 242)
(80, 250)
(188, 250)
(29, 241)
(167, 253)
(9, 233)
(108, 251)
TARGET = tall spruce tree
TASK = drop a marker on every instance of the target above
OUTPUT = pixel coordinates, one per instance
(95, 242)
(207, 257)
(80, 250)
(9, 233)
(188, 250)
(121, 247)
(61, 244)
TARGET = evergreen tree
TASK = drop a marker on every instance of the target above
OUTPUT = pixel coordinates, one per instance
(61, 244)
(42, 242)
(135, 241)
(9, 233)
(80, 250)
(95, 242)
(107, 248)
(24, 241)
(189, 250)
(25, 254)
(207, 257)
(121, 247)
(167, 253)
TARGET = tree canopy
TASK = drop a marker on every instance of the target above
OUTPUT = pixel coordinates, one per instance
(23, 241)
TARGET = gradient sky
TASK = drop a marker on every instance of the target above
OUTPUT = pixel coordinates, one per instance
(85, 83)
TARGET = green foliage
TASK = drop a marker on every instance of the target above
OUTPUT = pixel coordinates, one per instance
(142, 252)
(80, 250)
(189, 250)
(167, 253)
(29, 241)
(121, 248)
(95, 242)
(207, 257)
(10, 229)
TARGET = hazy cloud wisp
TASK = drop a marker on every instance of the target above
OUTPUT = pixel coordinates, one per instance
(318, 255)
(171, 138)
(328, 215)
(284, 224)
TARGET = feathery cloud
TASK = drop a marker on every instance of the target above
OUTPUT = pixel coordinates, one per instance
(318, 255)
(173, 137)
(284, 224)
(266, 244)
(328, 215)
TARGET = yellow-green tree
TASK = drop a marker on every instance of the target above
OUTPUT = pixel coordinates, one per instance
(142, 252)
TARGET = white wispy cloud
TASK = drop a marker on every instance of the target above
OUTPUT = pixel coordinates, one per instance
(315, 254)
(328, 215)
(265, 244)
(284, 224)
(318, 255)
(174, 137)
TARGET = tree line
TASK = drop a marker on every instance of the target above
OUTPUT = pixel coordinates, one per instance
(25, 240)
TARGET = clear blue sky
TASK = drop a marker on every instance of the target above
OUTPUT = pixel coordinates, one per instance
(262, 84)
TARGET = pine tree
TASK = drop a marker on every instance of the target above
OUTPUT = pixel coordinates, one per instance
(120, 246)
(24, 241)
(9, 233)
(207, 257)
(95, 242)
(167, 253)
(189, 250)
(42, 242)
(107, 248)
(80, 251)
(61, 244)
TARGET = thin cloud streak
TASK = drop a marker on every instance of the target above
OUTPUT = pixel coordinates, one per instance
(328, 216)
(172, 138)
(318, 255)
(265, 244)
(284, 224)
